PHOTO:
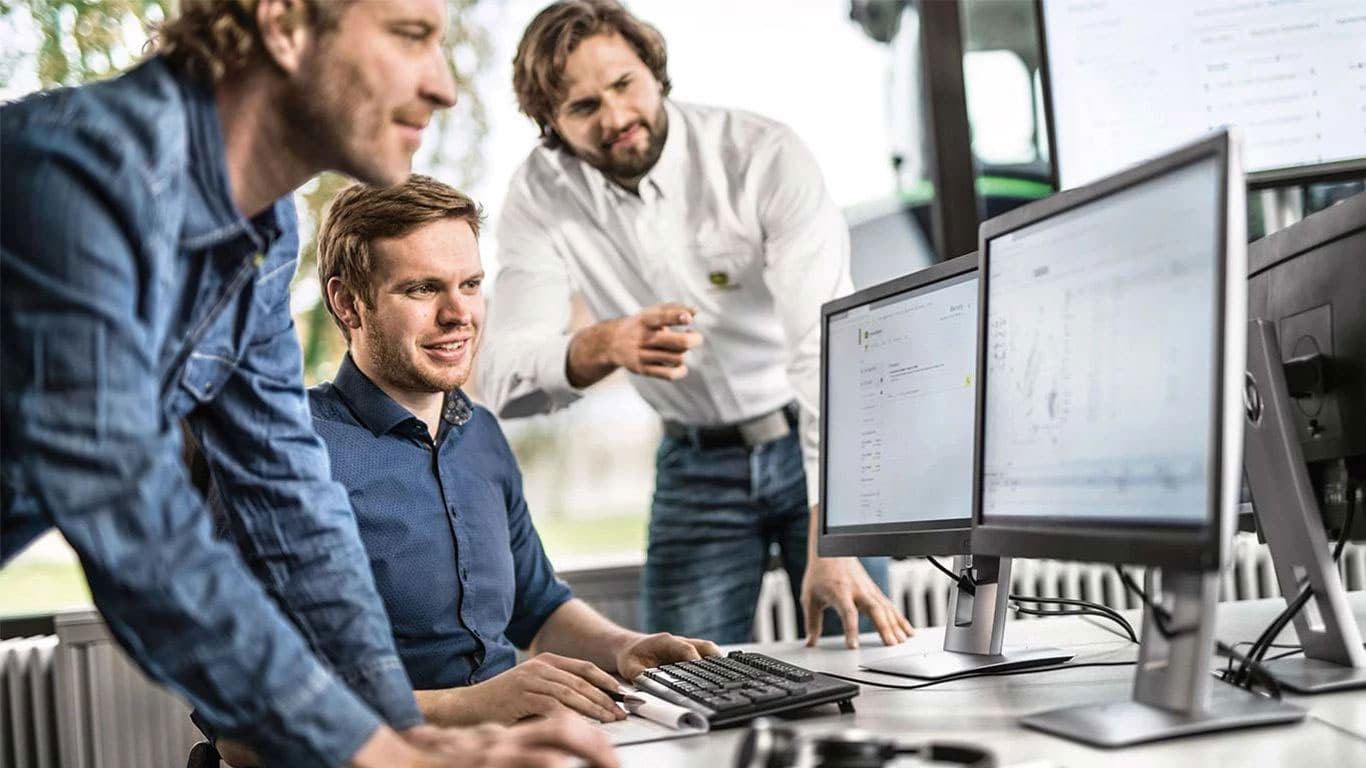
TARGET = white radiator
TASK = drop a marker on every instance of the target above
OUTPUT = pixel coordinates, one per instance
(922, 592)
(28, 708)
(73, 700)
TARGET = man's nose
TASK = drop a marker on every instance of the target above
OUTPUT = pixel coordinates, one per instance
(438, 82)
(454, 310)
(616, 114)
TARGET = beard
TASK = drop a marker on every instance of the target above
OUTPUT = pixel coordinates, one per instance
(633, 166)
(339, 112)
(408, 374)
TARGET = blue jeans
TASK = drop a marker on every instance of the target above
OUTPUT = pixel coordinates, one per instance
(716, 513)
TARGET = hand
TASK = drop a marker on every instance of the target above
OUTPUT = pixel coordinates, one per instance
(551, 742)
(658, 649)
(544, 685)
(645, 344)
(842, 583)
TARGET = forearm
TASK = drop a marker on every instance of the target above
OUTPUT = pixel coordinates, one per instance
(577, 631)
(589, 359)
(294, 524)
(445, 707)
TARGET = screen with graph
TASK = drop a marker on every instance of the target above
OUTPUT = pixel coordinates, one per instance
(1100, 338)
(899, 404)
(1127, 80)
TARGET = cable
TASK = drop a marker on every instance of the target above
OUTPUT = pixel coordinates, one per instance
(971, 675)
(1263, 643)
(1098, 610)
(1161, 616)
(964, 582)
(1081, 612)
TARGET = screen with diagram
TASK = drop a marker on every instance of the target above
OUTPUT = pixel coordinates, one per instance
(1100, 356)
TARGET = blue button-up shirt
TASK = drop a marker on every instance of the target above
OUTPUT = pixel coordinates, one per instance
(452, 546)
(133, 295)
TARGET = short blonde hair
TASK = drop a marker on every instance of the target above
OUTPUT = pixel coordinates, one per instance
(210, 39)
(360, 214)
(538, 67)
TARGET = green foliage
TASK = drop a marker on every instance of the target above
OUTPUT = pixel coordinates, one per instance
(85, 40)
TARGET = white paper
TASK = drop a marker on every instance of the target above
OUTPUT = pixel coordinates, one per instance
(653, 719)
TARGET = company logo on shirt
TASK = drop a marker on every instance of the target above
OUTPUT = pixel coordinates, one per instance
(721, 279)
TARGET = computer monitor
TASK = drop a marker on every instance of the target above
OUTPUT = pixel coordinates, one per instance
(1124, 80)
(1109, 414)
(1308, 280)
(1306, 434)
(898, 364)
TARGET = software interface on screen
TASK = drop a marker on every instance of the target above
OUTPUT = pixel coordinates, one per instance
(899, 407)
(1100, 359)
(1131, 79)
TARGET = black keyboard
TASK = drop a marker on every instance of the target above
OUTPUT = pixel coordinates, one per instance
(733, 689)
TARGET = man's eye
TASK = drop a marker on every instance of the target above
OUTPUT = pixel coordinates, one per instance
(622, 85)
(420, 289)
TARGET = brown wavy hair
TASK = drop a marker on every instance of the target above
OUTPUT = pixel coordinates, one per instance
(538, 67)
(360, 214)
(210, 39)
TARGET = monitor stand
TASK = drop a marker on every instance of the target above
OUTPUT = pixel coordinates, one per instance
(1288, 517)
(1172, 695)
(972, 639)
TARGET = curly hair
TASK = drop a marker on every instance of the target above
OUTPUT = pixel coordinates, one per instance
(360, 214)
(210, 39)
(538, 66)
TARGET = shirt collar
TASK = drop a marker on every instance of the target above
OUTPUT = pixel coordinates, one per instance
(668, 172)
(211, 216)
(378, 412)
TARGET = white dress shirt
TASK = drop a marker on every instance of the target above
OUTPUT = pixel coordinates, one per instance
(734, 219)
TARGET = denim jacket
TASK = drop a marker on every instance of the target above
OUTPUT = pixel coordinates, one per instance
(135, 295)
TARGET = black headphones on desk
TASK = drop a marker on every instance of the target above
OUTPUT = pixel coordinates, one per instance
(769, 746)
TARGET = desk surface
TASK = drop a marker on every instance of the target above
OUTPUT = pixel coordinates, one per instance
(984, 711)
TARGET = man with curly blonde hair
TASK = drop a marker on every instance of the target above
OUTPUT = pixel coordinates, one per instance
(147, 240)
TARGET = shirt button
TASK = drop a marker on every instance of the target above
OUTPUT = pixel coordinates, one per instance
(465, 573)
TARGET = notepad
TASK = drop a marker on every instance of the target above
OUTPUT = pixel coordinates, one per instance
(652, 719)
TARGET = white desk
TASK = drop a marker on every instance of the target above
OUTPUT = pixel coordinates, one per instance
(984, 711)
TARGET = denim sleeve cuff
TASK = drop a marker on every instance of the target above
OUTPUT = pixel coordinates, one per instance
(384, 683)
(327, 724)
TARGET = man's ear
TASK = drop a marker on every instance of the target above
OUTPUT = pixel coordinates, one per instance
(345, 304)
(285, 32)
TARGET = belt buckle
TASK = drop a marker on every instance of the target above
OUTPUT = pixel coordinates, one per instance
(765, 429)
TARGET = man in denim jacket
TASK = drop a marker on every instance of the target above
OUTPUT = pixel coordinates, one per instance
(146, 248)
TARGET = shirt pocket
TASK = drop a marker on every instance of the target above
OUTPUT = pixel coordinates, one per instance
(728, 266)
(205, 374)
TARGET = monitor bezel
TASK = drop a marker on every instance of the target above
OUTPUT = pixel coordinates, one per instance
(1338, 170)
(936, 537)
(1138, 544)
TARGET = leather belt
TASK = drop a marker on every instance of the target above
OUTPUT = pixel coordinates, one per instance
(771, 426)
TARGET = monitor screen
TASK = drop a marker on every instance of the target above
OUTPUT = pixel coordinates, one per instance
(1127, 80)
(1099, 358)
(899, 403)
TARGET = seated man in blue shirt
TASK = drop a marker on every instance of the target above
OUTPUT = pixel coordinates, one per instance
(435, 487)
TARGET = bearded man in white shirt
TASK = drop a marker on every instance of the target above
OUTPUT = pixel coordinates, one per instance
(704, 243)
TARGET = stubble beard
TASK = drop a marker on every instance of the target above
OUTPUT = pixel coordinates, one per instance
(320, 106)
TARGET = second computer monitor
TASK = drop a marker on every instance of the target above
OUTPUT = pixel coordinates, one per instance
(1112, 340)
(897, 394)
